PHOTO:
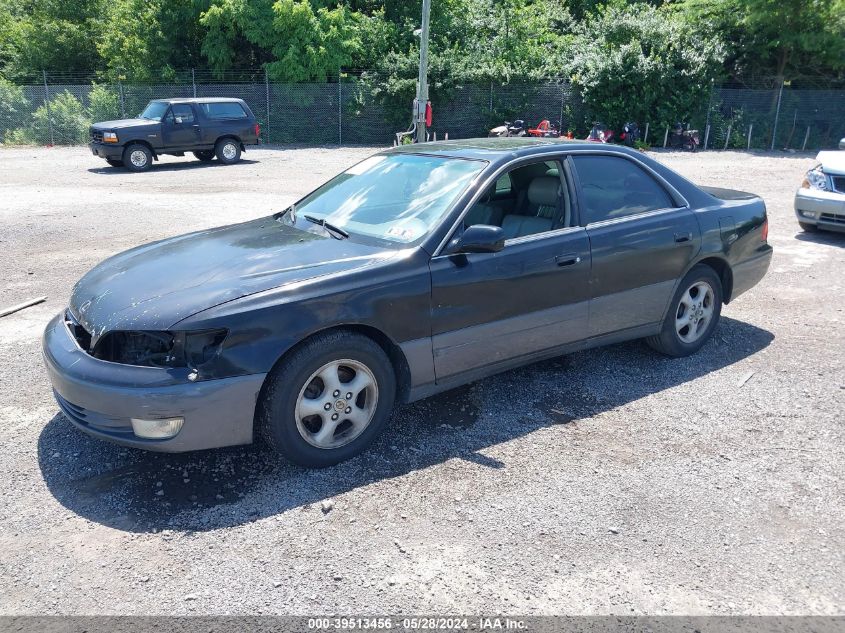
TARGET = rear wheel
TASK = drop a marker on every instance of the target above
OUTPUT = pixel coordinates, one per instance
(809, 228)
(137, 157)
(693, 314)
(205, 156)
(228, 151)
(328, 400)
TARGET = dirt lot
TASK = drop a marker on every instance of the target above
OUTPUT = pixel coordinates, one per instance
(610, 481)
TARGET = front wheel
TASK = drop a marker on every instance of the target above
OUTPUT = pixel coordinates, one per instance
(328, 400)
(137, 157)
(693, 314)
(228, 151)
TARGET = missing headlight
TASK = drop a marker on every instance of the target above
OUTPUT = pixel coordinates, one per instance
(160, 348)
(148, 349)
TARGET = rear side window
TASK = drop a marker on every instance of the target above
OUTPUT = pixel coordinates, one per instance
(614, 187)
(223, 110)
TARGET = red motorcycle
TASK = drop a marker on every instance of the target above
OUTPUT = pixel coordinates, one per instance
(545, 129)
(599, 134)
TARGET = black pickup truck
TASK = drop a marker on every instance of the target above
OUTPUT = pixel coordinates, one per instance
(220, 127)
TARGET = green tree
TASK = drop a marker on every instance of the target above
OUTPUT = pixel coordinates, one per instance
(637, 62)
(297, 42)
(787, 39)
(51, 35)
(151, 39)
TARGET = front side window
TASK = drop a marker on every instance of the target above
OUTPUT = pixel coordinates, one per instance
(534, 200)
(614, 187)
(397, 198)
(183, 112)
(224, 110)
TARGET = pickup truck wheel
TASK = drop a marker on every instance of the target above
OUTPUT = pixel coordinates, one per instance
(205, 156)
(693, 314)
(137, 157)
(809, 228)
(328, 400)
(114, 163)
(228, 151)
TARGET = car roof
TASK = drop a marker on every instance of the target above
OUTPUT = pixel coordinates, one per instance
(200, 100)
(493, 149)
(501, 151)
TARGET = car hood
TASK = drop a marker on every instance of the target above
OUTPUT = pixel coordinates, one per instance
(123, 123)
(153, 287)
(832, 162)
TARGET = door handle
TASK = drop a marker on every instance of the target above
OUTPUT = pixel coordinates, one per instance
(567, 260)
(683, 237)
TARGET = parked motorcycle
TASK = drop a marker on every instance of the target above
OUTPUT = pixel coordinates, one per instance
(630, 134)
(599, 133)
(545, 129)
(681, 137)
(517, 128)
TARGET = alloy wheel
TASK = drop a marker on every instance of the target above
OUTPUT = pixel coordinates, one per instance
(336, 404)
(695, 312)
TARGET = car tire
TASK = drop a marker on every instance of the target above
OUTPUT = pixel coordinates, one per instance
(228, 151)
(205, 156)
(303, 417)
(693, 314)
(807, 227)
(137, 157)
(114, 163)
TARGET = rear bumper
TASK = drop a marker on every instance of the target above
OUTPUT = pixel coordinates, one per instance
(825, 209)
(111, 152)
(100, 398)
(747, 274)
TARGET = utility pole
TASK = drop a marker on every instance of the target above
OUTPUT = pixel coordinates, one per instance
(422, 81)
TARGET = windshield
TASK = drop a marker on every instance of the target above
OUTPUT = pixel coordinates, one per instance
(154, 110)
(398, 198)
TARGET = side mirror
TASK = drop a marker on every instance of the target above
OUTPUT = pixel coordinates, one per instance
(479, 238)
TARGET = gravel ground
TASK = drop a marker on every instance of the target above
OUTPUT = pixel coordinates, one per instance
(613, 481)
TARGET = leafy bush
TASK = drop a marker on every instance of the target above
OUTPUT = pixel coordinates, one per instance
(14, 108)
(103, 104)
(69, 118)
(637, 63)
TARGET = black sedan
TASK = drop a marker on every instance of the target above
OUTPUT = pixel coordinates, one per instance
(419, 269)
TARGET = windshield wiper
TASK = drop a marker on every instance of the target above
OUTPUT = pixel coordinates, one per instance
(334, 231)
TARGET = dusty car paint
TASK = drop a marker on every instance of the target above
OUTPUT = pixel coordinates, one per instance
(444, 319)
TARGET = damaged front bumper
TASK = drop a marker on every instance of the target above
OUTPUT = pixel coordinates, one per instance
(101, 398)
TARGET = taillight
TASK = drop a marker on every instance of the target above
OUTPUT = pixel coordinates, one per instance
(257, 130)
(766, 229)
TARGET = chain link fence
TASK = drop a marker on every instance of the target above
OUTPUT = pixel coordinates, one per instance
(356, 111)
